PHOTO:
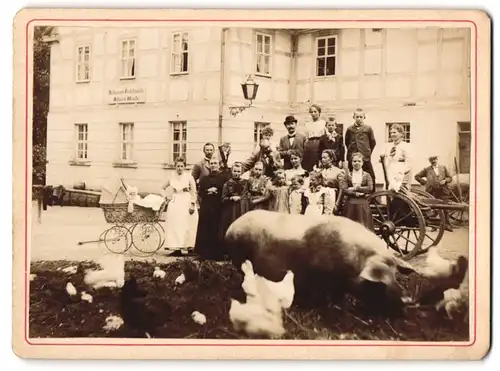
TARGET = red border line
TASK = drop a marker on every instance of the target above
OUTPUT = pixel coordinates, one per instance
(280, 344)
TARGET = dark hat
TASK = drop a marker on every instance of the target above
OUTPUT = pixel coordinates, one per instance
(433, 158)
(289, 119)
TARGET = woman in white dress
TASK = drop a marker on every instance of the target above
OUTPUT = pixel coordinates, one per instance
(397, 160)
(313, 130)
(182, 214)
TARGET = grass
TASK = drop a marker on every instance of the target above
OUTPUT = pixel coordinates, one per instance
(208, 289)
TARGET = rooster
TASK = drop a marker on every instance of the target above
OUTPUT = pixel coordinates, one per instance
(112, 273)
(141, 312)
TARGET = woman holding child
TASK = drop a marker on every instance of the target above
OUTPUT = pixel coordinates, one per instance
(333, 177)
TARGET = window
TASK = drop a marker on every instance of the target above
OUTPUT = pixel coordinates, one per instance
(180, 53)
(81, 141)
(406, 130)
(257, 131)
(128, 59)
(126, 141)
(326, 57)
(263, 54)
(83, 64)
(179, 139)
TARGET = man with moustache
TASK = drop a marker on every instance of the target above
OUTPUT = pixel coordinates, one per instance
(359, 137)
(202, 168)
(292, 141)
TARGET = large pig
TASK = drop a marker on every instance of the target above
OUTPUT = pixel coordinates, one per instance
(327, 254)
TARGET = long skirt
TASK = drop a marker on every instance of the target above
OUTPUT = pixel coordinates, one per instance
(208, 243)
(358, 209)
(311, 155)
(180, 228)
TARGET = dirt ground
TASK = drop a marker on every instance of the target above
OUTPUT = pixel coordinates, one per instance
(208, 289)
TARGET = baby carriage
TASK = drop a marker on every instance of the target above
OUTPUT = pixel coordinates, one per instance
(136, 221)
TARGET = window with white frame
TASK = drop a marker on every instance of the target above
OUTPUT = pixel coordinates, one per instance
(179, 139)
(83, 63)
(128, 59)
(126, 141)
(406, 131)
(180, 53)
(81, 148)
(263, 54)
(257, 132)
(326, 56)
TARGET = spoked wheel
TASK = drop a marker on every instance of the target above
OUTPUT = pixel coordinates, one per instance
(459, 217)
(399, 221)
(146, 238)
(117, 239)
(434, 221)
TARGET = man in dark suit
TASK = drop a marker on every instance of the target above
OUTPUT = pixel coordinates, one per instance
(291, 141)
(202, 169)
(436, 179)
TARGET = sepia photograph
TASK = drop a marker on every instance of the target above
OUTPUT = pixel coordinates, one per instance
(250, 181)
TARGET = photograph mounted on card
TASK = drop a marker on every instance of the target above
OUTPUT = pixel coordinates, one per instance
(237, 181)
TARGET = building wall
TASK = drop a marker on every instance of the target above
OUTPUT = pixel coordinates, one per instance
(396, 75)
(192, 97)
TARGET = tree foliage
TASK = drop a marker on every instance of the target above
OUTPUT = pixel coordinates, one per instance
(41, 84)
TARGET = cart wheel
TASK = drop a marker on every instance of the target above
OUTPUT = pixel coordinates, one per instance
(146, 238)
(434, 222)
(459, 217)
(117, 239)
(399, 221)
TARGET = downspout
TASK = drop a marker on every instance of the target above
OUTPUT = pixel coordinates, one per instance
(292, 92)
(222, 83)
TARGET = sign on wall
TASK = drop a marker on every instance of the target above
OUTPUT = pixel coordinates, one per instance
(129, 95)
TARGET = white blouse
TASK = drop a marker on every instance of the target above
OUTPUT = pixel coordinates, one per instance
(357, 177)
(315, 129)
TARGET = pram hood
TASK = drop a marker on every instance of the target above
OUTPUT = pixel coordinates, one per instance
(114, 191)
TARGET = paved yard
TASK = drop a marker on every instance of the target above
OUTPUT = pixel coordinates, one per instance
(61, 229)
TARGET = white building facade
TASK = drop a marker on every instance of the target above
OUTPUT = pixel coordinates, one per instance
(128, 101)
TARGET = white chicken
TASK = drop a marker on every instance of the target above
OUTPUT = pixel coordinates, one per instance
(112, 273)
(180, 280)
(249, 284)
(436, 266)
(199, 318)
(158, 273)
(262, 314)
(86, 297)
(253, 285)
(70, 270)
(113, 323)
(254, 319)
(284, 290)
(71, 289)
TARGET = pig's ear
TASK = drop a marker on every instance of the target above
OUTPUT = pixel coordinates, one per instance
(376, 270)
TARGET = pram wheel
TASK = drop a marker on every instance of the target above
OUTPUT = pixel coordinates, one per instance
(117, 239)
(146, 238)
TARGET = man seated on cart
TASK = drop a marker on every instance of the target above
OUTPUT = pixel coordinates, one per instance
(436, 179)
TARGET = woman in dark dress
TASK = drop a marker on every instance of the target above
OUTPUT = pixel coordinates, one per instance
(208, 243)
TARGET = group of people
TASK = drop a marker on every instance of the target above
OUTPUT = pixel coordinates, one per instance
(303, 174)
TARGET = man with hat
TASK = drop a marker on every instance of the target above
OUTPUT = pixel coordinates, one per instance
(436, 179)
(292, 141)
